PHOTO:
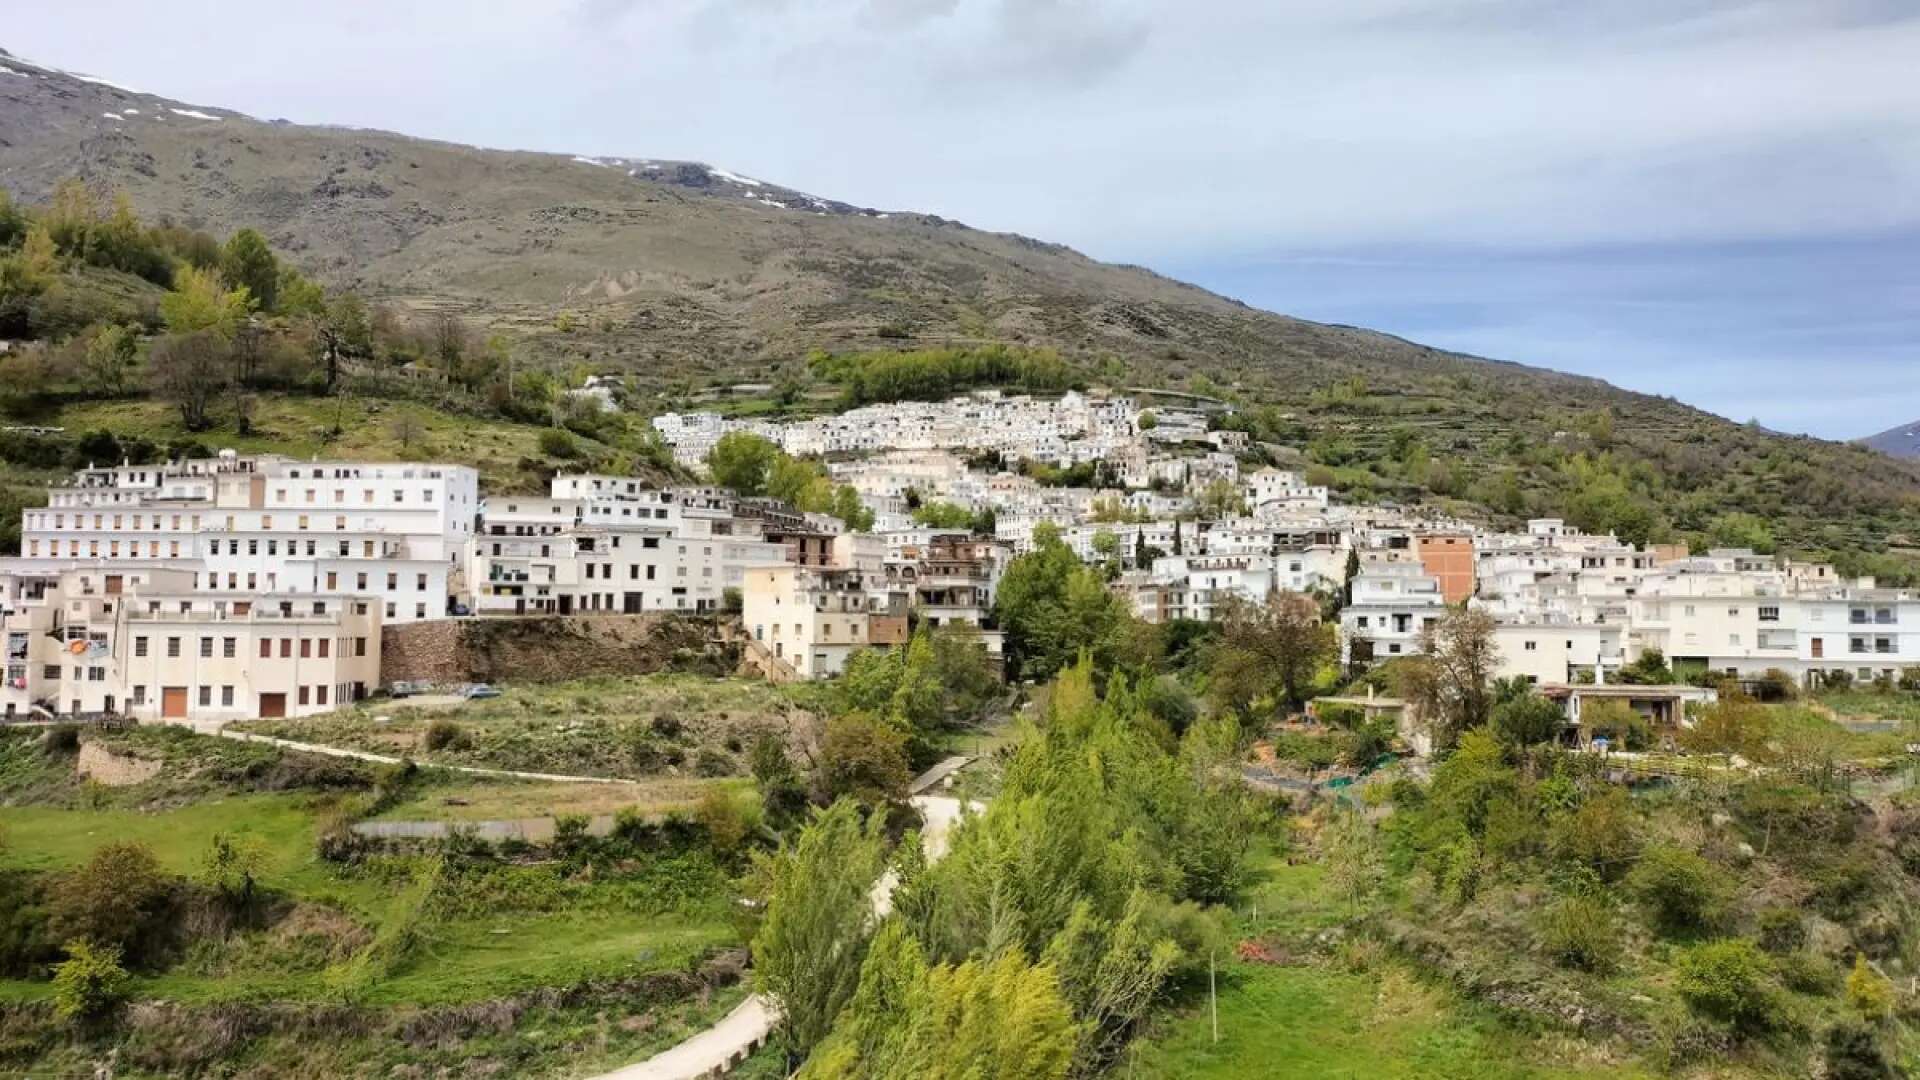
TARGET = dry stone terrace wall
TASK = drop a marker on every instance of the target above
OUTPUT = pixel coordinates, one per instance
(551, 648)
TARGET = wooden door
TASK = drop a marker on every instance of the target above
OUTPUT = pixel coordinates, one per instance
(173, 701)
(273, 705)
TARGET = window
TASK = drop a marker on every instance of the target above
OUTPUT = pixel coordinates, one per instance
(226, 696)
(1769, 614)
(140, 646)
(326, 645)
(229, 647)
(206, 696)
(173, 648)
(286, 647)
(206, 648)
(306, 648)
(266, 648)
(1533, 646)
(320, 695)
(303, 695)
(139, 695)
(359, 646)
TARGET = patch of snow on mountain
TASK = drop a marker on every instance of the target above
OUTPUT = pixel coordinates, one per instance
(589, 161)
(131, 112)
(105, 83)
(111, 115)
(733, 178)
(195, 113)
(10, 71)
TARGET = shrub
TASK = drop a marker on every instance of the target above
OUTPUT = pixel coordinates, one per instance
(569, 834)
(1869, 992)
(1910, 680)
(558, 444)
(726, 825)
(1682, 892)
(110, 900)
(90, 982)
(62, 739)
(1853, 1053)
(1599, 834)
(445, 735)
(1581, 932)
(1782, 930)
(712, 762)
(1729, 980)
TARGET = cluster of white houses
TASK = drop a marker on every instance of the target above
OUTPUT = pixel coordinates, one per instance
(245, 586)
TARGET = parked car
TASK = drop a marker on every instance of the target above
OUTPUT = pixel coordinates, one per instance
(403, 688)
(481, 690)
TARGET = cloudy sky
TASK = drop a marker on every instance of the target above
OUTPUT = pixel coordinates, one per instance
(1717, 200)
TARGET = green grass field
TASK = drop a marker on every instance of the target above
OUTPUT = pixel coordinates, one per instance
(1325, 1020)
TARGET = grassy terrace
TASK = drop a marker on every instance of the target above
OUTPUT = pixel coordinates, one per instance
(1363, 1015)
(639, 727)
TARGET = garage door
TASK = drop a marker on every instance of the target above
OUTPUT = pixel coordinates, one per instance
(273, 704)
(173, 701)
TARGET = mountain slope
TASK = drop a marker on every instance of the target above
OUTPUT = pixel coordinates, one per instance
(683, 274)
(1901, 442)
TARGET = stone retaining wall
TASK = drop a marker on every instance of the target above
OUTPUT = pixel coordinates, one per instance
(550, 648)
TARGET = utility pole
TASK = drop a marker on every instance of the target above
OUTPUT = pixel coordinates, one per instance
(1213, 997)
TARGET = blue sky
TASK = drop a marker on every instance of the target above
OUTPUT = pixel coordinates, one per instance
(1713, 199)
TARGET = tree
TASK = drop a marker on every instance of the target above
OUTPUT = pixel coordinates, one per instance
(1450, 684)
(232, 867)
(808, 952)
(90, 982)
(943, 515)
(247, 265)
(742, 461)
(1648, 669)
(1219, 499)
(109, 357)
(1355, 867)
(1272, 650)
(346, 333)
(1527, 720)
(199, 303)
(111, 899)
(1000, 1018)
(190, 370)
(1870, 993)
(408, 430)
(865, 759)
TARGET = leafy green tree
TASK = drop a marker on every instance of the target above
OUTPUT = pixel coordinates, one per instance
(199, 303)
(1743, 530)
(809, 950)
(110, 356)
(1870, 993)
(993, 1019)
(865, 759)
(90, 983)
(943, 515)
(1271, 651)
(247, 263)
(1528, 720)
(297, 296)
(111, 899)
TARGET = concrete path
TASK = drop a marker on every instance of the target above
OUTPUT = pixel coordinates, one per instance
(389, 759)
(715, 1051)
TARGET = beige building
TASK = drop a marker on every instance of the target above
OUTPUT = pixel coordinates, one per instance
(139, 640)
(811, 618)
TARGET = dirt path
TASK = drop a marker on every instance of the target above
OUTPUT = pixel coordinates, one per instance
(389, 759)
(715, 1051)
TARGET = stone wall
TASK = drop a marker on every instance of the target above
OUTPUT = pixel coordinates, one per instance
(550, 648)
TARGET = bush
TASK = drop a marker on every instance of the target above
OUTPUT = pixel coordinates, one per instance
(1910, 680)
(1581, 932)
(1869, 992)
(90, 983)
(558, 444)
(1598, 834)
(111, 900)
(726, 825)
(445, 735)
(1682, 892)
(62, 739)
(1729, 980)
(1782, 930)
(1853, 1053)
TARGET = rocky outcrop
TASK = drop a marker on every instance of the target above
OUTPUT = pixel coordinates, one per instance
(103, 766)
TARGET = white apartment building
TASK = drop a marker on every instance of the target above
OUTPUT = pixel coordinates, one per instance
(398, 534)
(614, 544)
(140, 640)
(1392, 603)
(1549, 653)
